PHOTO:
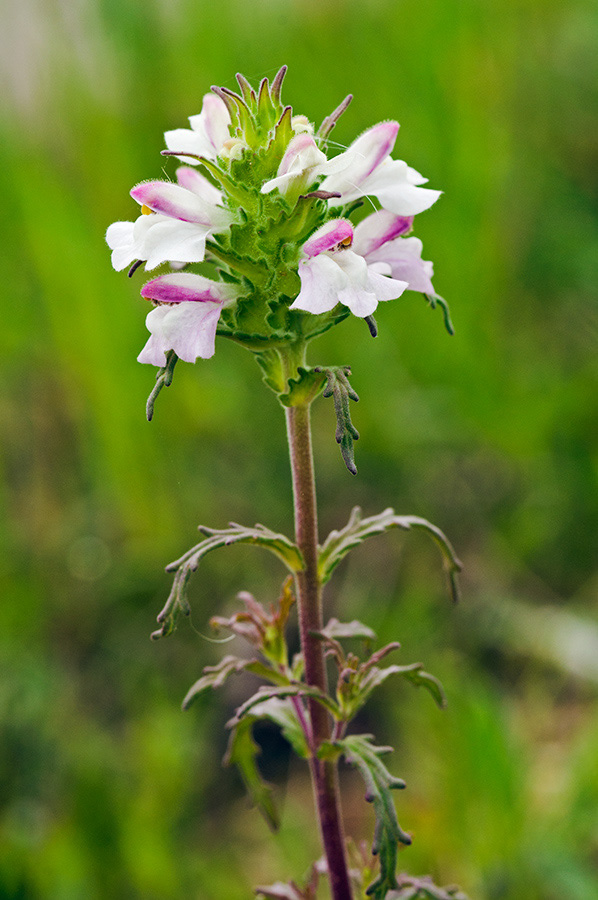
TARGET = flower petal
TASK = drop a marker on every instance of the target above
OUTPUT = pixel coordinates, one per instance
(119, 237)
(391, 184)
(194, 181)
(365, 287)
(187, 328)
(321, 281)
(213, 122)
(207, 134)
(178, 203)
(328, 236)
(403, 255)
(362, 158)
(159, 239)
(377, 229)
(300, 166)
(185, 286)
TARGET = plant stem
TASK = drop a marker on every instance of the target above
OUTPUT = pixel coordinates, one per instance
(309, 596)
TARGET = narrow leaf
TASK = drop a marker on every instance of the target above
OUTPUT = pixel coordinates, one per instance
(339, 630)
(358, 529)
(339, 388)
(359, 751)
(177, 602)
(242, 752)
(296, 690)
(413, 673)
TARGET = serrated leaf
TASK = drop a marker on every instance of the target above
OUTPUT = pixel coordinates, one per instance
(215, 676)
(339, 388)
(359, 751)
(423, 889)
(413, 673)
(242, 752)
(358, 529)
(282, 712)
(177, 603)
(339, 630)
(293, 690)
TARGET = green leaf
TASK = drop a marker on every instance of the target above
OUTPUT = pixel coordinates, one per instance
(303, 389)
(281, 711)
(413, 673)
(164, 378)
(292, 690)
(215, 676)
(339, 630)
(338, 387)
(242, 752)
(359, 751)
(423, 889)
(177, 602)
(357, 530)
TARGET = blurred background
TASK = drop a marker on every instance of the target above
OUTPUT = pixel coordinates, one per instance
(107, 790)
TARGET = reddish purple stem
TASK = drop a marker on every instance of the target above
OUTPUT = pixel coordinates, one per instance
(309, 596)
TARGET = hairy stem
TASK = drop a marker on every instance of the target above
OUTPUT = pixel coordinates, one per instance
(309, 595)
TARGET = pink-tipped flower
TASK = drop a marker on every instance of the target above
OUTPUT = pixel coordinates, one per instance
(301, 166)
(378, 238)
(187, 317)
(209, 130)
(366, 169)
(332, 273)
(175, 223)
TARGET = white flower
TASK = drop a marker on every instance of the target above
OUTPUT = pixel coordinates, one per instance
(302, 164)
(187, 322)
(332, 273)
(175, 222)
(366, 169)
(378, 239)
(209, 130)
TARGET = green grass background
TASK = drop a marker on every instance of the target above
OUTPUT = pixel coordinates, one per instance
(107, 790)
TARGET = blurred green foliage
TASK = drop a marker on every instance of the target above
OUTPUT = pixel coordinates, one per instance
(107, 790)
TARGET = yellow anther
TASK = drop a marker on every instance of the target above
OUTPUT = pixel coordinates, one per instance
(145, 210)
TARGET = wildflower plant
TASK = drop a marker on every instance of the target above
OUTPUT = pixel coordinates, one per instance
(259, 197)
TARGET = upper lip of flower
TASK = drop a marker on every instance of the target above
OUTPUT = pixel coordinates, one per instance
(208, 132)
(178, 202)
(182, 217)
(366, 168)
